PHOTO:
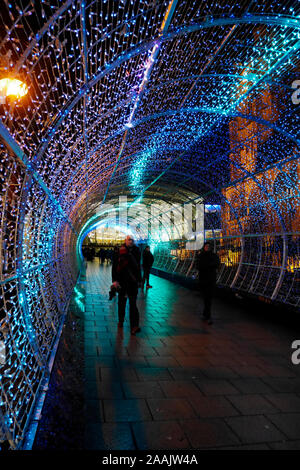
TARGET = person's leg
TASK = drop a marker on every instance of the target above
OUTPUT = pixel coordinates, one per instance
(121, 306)
(144, 278)
(133, 311)
(208, 291)
(147, 276)
(207, 303)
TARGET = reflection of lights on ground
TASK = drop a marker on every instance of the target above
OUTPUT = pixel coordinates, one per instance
(204, 124)
(80, 304)
(78, 297)
(78, 293)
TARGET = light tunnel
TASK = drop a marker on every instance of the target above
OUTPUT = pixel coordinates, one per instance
(172, 104)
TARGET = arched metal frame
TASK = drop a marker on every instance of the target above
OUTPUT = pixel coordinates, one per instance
(123, 100)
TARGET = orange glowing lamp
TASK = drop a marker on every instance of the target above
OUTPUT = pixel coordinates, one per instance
(12, 87)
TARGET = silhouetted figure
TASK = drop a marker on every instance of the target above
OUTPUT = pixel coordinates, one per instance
(84, 251)
(102, 255)
(111, 255)
(207, 264)
(115, 257)
(89, 253)
(126, 276)
(148, 260)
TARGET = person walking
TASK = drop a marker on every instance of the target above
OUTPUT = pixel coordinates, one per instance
(102, 255)
(148, 260)
(126, 277)
(114, 257)
(207, 263)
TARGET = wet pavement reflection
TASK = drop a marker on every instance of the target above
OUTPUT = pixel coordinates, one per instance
(183, 384)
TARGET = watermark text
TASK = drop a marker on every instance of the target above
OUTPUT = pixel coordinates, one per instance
(2, 353)
(296, 94)
(296, 354)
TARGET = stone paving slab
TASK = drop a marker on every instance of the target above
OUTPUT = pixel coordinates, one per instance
(180, 383)
(170, 408)
(251, 429)
(288, 423)
(143, 390)
(110, 436)
(213, 407)
(252, 404)
(126, 410)
(216, 387)
(211, 433)
(286, 402)
(157, 435)
(180, 388)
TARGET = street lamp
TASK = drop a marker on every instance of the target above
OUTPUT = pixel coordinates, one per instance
(12, 87)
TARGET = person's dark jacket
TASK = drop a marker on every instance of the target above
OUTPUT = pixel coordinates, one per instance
(126, 267)
(148, 259)
(115, 258)
(207, 265)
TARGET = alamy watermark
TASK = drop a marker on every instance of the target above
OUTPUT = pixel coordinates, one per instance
(158, 220)
(296, 354)
(2, 353)
(296, 94)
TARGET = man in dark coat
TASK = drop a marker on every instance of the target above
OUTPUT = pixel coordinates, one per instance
(126, 276)
(102, 255)
(207, 263)
(148, 260)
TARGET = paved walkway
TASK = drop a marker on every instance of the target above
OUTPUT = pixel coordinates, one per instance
(181, 384)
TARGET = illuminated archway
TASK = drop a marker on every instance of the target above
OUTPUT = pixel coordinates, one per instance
(172, 101)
